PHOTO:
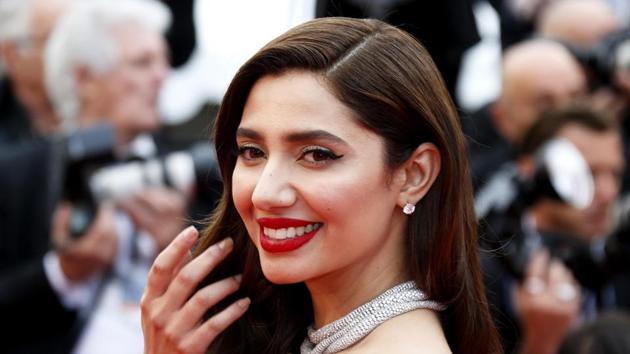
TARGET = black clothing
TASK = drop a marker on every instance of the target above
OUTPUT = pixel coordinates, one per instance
(487, 149)
(625, 137)
(446, 28)
(603, 275)
(15, 125)
(33, 319)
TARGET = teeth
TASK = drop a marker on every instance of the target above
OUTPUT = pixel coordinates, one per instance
(291, 232)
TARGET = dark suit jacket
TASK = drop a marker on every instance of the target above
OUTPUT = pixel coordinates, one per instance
(487, 149)
(32, 318)
(15, 127)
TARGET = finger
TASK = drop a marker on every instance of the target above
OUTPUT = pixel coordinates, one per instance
(199, 340)
(187, 258)
(538, 264)
(562, 283)
(166, 262)
(161, 201)
(61, 225)
(558, 272)
(104, 223)
(535, 282)
(194, 309)
(141, 215)
(192, 273)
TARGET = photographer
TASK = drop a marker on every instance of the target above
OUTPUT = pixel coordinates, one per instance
(536, 75)
(104, 62)
(35, 319)
(562, 245)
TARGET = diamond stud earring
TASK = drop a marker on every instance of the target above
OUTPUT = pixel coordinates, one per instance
(409, 208)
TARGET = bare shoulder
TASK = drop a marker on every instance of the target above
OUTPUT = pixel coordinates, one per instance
(417, 331)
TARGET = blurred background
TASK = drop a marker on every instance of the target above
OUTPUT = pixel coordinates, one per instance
(106, 109)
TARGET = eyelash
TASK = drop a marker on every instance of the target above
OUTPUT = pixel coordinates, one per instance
(328, 155)
(243, 150)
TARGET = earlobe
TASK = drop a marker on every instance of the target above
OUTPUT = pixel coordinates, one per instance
(420, 172)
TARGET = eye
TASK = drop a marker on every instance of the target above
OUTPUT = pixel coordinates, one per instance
(250, 153)
(318, 155)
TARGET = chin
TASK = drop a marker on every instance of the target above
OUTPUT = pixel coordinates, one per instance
(281, 275)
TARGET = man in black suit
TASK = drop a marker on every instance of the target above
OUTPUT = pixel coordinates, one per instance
(119, 84)
(34, 319)
(569, 265)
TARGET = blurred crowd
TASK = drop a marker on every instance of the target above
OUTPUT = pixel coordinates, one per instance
(92, 187)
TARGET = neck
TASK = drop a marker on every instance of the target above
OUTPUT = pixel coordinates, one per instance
(88, 117)
(44, 123)
(335, 295)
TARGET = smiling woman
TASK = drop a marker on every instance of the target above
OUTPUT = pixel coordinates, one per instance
(327, 139)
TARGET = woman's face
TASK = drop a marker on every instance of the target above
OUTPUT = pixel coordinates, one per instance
(311, 184)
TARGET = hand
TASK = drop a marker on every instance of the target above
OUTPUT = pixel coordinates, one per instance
(548, 303)
(90, 253)
(159, 211)
(171, 318)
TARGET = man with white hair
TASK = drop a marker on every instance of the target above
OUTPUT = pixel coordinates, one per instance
(25, 110)
(112, 70)
(105, 62)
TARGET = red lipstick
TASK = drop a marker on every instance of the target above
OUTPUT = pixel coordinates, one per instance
(288, 244)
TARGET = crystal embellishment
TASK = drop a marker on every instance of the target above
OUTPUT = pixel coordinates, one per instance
(409, 208)
(353, 327)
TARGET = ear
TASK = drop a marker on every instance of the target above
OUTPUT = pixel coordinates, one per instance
(416, 176)
(85, 81)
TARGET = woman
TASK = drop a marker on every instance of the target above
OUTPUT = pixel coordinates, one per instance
(328, 139)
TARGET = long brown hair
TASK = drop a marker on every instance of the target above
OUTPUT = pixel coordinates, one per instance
(389, 80)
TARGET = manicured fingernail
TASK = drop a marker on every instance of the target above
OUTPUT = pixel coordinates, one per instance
(244, 303)
(190, 233)
(225, 244)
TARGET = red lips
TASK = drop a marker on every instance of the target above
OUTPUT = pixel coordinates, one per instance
(286, 245)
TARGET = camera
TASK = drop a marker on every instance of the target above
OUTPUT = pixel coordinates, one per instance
(561, 174)
(92, 174)
(606, 59)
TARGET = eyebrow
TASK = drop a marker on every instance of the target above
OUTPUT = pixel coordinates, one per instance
(293, 137)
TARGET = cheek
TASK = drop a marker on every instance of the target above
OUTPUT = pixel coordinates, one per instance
(350, 199)
(243, 184)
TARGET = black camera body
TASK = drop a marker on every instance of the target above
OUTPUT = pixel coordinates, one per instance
(91, 173)
(504, 232)
(606, 58)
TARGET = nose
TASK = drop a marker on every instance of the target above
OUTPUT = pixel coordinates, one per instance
(274, 189)
(160, 70)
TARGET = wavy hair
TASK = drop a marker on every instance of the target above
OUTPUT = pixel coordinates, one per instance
(389, 80)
